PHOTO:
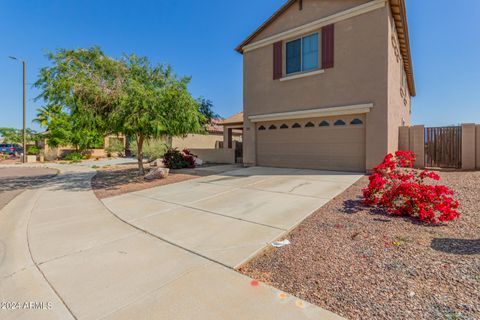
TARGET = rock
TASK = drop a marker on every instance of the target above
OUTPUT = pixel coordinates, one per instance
(157, 163)
(157, 173)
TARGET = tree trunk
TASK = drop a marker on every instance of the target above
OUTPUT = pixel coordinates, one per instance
(140, 140)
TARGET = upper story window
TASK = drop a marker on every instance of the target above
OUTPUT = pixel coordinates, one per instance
(302, 54)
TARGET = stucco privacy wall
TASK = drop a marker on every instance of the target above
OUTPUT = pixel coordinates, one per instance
(469, 146)
(360, 75)
(196, 141)
(413, 139)
(215, 155)
(477, 146)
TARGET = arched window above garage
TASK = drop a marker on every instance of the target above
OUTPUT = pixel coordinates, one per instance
(272, 127)
(284, 126)
(324, 124)
(261, 128)
(356, 121)
(309, 125)
(339, 123)
(296, 125)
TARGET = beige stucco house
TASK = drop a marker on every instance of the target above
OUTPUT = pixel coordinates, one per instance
(327, 84)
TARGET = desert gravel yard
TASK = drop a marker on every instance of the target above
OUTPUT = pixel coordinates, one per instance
(124, 178)
(361, 263)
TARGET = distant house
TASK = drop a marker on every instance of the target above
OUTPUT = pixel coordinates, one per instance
(327, 84)
(53, 153)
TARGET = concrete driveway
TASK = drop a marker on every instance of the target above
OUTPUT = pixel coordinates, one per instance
(230, 216)
(163, 253)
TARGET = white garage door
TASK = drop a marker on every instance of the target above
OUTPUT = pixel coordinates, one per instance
(333, 143)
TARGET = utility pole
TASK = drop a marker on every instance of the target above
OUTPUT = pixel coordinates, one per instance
(24, 111)
(24, 64)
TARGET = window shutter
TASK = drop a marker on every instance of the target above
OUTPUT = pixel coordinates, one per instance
(277, 60)
(327, 46)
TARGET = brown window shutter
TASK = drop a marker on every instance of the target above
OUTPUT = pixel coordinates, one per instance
(327, 46)
(277, 60)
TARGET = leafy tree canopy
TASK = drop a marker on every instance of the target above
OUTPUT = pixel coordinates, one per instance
(128, 96)
(15, 136)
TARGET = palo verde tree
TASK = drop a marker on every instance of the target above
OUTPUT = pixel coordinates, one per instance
(126, 96)
(155, 103)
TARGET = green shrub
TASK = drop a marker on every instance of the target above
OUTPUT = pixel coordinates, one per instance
(115, 147)
(152, 149)
(73, 156)
(33, 150)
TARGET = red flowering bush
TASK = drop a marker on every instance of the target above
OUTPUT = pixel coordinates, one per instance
(405, 192)
(175, 159)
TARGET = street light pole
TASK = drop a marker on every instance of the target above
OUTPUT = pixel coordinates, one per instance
(24, 111)
(24, 64)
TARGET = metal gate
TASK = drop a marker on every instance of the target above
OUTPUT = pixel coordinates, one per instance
(443, 147)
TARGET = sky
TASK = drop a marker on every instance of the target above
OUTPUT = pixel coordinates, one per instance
(198, 39)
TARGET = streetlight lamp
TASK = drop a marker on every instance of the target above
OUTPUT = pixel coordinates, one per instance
(24, 64)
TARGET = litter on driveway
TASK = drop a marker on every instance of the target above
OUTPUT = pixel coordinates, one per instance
(279, 244)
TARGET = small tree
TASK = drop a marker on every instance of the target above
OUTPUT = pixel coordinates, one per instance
(156, 103)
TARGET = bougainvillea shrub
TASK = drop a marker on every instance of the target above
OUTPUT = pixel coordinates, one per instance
(175, 159)
(404, 191)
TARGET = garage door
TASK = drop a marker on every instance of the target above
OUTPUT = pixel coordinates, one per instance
(333, 143)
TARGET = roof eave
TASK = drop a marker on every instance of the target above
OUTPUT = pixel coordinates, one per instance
(277, 13)
(401, 24)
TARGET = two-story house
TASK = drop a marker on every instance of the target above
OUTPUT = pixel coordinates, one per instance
(327, 84)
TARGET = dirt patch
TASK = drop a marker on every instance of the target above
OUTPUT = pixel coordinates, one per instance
(120, 179)
(365, 264)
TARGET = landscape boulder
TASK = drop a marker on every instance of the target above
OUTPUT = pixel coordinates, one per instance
(157, 163)
(157, 173)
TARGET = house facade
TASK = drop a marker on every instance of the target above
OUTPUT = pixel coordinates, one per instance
(327, 84)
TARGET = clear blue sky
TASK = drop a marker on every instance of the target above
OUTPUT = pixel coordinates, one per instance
(198, 37)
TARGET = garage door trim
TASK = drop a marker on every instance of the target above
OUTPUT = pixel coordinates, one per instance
(314, 113)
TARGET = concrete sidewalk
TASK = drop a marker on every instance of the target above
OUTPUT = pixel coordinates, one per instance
(61, 247)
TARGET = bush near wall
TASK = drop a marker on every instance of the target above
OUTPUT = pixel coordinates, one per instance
(406, 192)
(175, 159)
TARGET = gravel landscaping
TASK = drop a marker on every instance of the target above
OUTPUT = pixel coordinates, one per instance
(362, 263)
(120, 179)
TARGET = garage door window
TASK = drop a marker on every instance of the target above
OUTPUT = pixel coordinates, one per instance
(356, 122)
(324, 124)
(340, 123)
(261, 128)
(284, 126)
(272, 127)
(309, 125)
(296, 125)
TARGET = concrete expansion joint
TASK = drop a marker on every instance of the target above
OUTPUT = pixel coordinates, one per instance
(37, 266)
(163, 239)
(209, 212)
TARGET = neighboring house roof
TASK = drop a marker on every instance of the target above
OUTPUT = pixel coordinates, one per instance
(235, 119)
(216, 127)
(399, 12)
